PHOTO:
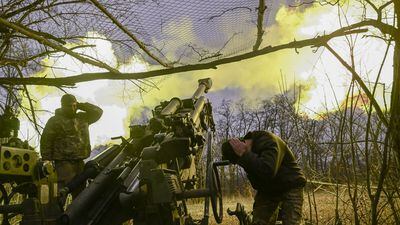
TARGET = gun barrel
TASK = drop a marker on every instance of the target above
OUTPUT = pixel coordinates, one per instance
(172, 107)
(94, 166)
(198, 107)
(106, 156)
(204, 86)
(76, 211)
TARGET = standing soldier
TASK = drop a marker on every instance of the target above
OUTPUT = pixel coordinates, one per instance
(273, 171)
(65, 138)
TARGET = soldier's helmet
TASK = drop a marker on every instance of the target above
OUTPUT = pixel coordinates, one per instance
(8, 111)
(67, 100)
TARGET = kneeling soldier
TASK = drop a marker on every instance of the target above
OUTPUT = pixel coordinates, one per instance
(272, 170)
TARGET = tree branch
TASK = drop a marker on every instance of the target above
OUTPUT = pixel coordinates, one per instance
(385, 5)
(383, 27)
(72, 80)
(223, 12)
(44, 41)
(24, 61)
(32, 109)
(260, 20)
(127, 32)
(30, 6)
(362, 85)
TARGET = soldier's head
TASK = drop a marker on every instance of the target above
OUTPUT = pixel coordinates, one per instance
(8, 111)
(228, 152)
(69, 105)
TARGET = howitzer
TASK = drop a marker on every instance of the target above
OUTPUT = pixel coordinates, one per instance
(149, 176)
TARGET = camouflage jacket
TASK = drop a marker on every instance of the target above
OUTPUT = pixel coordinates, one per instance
(8, 124)
(66, 138)
(271, 166)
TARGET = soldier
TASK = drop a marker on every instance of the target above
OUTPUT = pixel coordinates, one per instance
(9, 125)
(65, 138)
(272, 170)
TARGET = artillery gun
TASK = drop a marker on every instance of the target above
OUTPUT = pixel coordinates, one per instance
(149, 177)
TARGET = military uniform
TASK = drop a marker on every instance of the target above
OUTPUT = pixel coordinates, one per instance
(65, 140)
(273, 171)
(9, 126)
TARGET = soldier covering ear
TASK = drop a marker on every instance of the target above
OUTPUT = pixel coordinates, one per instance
(272, 170)
(65, 138)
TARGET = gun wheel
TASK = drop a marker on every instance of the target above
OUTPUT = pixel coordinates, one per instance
(214, 185)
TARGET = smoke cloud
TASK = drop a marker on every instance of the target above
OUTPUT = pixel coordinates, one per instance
(323, 79)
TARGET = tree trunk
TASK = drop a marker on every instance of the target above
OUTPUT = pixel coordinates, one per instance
(395, 95)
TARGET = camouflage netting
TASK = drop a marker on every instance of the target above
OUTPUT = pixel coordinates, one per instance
(174, 31)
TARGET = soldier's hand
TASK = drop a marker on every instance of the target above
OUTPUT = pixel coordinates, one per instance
(47, 167)
(238, 147)
(79, 105)
(82, 106)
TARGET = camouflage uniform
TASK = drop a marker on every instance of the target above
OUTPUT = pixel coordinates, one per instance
(9, 126)
(273, 171)
(265, 208)
(65, 140)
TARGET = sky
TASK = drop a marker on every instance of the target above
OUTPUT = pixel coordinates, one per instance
(324, 80)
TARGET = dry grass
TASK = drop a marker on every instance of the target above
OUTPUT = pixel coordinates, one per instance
(323, 202)
(196, 210)
(317, 209)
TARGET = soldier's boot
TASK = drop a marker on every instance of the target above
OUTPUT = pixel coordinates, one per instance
(243, 217)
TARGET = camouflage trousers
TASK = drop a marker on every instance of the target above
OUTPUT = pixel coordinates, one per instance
(66, 170)
(265, 209)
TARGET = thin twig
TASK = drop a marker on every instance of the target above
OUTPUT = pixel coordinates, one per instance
(362, 85)
(127, 32)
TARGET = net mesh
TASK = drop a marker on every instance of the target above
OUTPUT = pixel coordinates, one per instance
(176, 32)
